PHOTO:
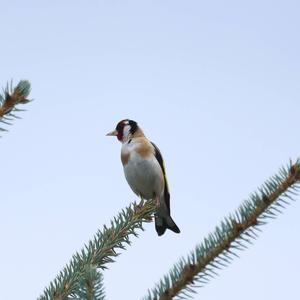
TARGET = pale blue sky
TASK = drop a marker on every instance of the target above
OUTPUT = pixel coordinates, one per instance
(215, 84)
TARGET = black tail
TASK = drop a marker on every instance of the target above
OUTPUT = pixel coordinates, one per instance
(163, 219)
(163, 223)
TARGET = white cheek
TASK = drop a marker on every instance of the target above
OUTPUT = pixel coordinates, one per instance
(126, 132)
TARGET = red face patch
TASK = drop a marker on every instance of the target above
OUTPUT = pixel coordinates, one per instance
(120, 135)
(120, 129)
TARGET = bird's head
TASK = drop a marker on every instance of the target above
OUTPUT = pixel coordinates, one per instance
(125, 130)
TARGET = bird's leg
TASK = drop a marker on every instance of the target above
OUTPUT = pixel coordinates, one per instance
(157, 201)
(139, 206)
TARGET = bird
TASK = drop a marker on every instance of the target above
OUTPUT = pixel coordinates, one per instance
(144, 171)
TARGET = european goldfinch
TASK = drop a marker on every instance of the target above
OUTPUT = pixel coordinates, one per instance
(145, 172)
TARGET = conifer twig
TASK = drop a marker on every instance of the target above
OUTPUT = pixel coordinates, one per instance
(10, 99)
(233, 234)
(90, 285)
(100, 251)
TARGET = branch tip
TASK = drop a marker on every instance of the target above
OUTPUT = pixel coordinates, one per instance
(229, 237)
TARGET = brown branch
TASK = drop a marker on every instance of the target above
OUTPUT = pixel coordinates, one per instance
(101, 249)
(238, 228)
(12, 99)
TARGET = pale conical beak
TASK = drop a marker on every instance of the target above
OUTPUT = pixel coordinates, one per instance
(112, 133)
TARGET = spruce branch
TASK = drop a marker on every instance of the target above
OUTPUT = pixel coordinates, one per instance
(102, 249)
(231, 236)
(90, 285)
(12, 96)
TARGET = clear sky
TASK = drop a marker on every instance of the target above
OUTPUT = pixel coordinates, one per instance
(215, 84)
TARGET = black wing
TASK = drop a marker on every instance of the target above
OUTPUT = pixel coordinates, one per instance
(161, 163)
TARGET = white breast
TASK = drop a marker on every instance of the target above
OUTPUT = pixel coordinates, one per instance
(143, 174)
